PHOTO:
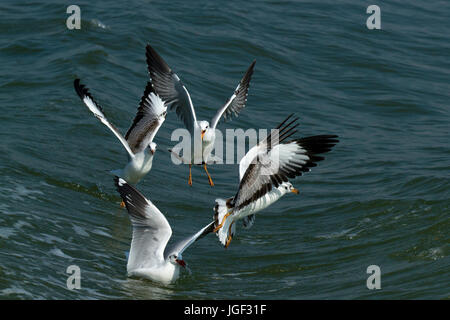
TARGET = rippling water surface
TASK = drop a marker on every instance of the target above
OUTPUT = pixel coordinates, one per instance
(381, 197)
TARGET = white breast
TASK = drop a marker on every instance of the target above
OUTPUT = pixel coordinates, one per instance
(261, 203)
(201, 154)
(165, 273)
(138, 167)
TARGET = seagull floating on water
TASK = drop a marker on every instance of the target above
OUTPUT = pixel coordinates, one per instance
(138, 140)
(264, 175)
(149, 255)
(170, 88)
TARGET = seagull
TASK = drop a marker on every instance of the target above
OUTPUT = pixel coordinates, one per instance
(149, 255)
(170, 88)
(264, 174)
(138, 140)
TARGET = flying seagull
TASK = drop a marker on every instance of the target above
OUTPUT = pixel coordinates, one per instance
(138, 140)
(264, 175)
(149, 255)
(170, 88)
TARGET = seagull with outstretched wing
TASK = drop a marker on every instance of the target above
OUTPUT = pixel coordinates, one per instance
(170, 88)
(264, 175)
(138, 141)
(149, 256)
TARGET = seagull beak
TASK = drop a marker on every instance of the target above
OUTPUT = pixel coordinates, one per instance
(152, 151)
(202, 134)
(181, 263)
(295, 191)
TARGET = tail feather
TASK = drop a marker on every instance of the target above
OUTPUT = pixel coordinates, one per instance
(221, 208)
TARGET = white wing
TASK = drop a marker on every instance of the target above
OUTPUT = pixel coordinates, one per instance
(283, 131)
(95, 108)
(237, 101)
(149, 118)
(281, 161)
(151, 231)
(170, 88)
(179, 247)
(248, 158)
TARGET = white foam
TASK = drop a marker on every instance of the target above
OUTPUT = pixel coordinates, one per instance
(59, 253)
(5, 232)
(98, 23)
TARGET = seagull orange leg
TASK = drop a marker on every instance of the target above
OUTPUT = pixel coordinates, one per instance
(223, 220)
(230, 236)
(190, 175)
(122, 204)
(209, 177)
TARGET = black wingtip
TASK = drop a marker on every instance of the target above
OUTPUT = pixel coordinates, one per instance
(284, 121)
(155, 62)
(120, 189)
(318, 144)
(121, 185)
(134, 200)
(124, 187)
(148, 89)
(83, 92)
(78, 87)
(210, 228)
(248, 75)
(116, 183)
(285, 130)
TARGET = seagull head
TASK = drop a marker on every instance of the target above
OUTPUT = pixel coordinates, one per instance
(152, 147)
(204, 125)
(177, 260)
(288, 187)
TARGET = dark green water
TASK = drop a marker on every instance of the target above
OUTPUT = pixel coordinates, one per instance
(381, 197)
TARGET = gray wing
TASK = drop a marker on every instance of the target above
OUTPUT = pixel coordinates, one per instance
(182, 245)
(237, 101)
(95, 108)
(149, 118)
(279, 162)
(151, 231)
(170, 88)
